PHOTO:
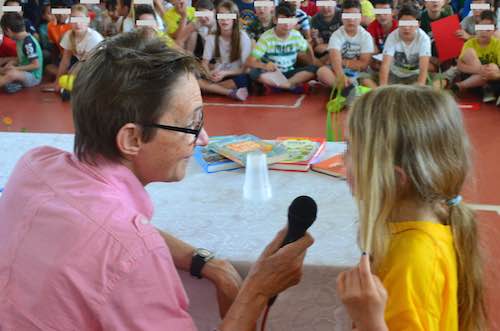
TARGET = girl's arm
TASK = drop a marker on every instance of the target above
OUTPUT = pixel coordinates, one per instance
(64, 64)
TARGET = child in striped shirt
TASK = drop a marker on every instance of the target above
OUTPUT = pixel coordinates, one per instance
(277, 50)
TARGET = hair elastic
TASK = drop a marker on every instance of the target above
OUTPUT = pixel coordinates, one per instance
(454, 201)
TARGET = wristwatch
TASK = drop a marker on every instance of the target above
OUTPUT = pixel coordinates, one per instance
(200, 257)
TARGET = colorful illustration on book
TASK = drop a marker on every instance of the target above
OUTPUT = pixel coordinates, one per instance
(250, 146)
(300, 150)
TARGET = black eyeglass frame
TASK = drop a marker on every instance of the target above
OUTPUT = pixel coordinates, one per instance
(195, 132)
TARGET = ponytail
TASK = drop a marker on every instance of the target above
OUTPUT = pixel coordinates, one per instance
(470, 295)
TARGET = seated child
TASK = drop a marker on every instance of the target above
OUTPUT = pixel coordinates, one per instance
(27, 70)
(146, 20)
(469, 23)
(262, 22)
(225, 55)
(434, 10)
(350, 50)
(206, 25)
(78, 42)
(407, 51)
(323, 24)
(277, 49)
(246, 12)
(180, 21)
(479, 60)
(383, 25)
(29, 26)
(128, 23)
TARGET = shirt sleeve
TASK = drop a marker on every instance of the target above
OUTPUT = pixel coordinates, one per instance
(335, 41)
(415, 301)
(29, 48)
(390, 44)
(260, 48)
(425, 45)
(366, 43)
(65, 41)
(303, 20)
(150, 297)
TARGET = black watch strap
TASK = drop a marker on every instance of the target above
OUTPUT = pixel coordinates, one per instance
(197, 263)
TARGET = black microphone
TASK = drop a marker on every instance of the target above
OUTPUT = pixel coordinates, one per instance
(301, 215)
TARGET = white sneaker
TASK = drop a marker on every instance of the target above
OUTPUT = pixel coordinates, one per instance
(488, 94)
(498, 101)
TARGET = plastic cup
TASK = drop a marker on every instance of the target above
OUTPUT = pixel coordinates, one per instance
(257, 186)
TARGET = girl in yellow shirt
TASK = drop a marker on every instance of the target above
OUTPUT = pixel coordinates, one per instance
(407, 160)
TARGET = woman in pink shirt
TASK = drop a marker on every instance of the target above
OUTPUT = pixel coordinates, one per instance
(77, 249)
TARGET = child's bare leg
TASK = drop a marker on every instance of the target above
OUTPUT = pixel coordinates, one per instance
(10, 76)
(300, 78)
(326, 76)
(471, 82)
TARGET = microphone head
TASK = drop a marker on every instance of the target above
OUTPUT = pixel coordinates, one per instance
(302, 213)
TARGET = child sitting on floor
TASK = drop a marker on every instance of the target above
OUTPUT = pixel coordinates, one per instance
(26, 71)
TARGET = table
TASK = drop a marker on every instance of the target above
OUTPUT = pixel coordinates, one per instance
(207, 210)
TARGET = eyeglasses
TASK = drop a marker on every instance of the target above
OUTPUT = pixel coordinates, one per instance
(195, 132)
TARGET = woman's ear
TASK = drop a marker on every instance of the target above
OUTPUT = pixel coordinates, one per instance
(129, 140)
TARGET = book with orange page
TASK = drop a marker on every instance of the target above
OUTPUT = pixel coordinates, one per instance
(301, 152)
(333, 166)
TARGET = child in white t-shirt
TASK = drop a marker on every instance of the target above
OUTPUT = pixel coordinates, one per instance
(350, 50)
(229, 48)
(77, 42)
(407, 52)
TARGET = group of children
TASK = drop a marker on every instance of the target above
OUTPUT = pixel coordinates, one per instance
(264, 46)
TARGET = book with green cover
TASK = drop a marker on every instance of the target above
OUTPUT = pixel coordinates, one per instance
(236, 148)
(301, 151)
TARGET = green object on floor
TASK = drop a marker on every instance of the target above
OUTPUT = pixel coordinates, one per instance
(334, 106)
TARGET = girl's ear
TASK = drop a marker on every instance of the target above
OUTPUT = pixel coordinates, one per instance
(401, 177)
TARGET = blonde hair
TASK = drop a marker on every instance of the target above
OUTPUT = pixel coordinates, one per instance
(81, 9)
(421, 131)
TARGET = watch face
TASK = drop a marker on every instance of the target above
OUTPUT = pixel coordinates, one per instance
(203, 252)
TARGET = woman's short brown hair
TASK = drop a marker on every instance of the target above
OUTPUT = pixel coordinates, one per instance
(127, 79)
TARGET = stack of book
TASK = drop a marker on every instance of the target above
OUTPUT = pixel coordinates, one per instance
(283, 153)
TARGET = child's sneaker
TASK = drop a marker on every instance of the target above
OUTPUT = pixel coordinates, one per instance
(301, 89)
(240, 94)
(488, 94)
(13, 87)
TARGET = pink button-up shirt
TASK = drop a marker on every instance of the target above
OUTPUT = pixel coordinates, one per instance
(77, 250)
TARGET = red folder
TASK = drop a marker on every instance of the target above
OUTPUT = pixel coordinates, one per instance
(448, 45)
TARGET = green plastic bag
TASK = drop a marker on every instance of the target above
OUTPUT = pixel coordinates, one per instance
(334, 106)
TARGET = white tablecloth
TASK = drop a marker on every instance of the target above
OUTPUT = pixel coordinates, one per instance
(207, 210)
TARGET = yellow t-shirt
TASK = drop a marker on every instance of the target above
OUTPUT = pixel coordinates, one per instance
(488, 54)
(168, 40)
(420, 275)
(171, 18)
(367, 9)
